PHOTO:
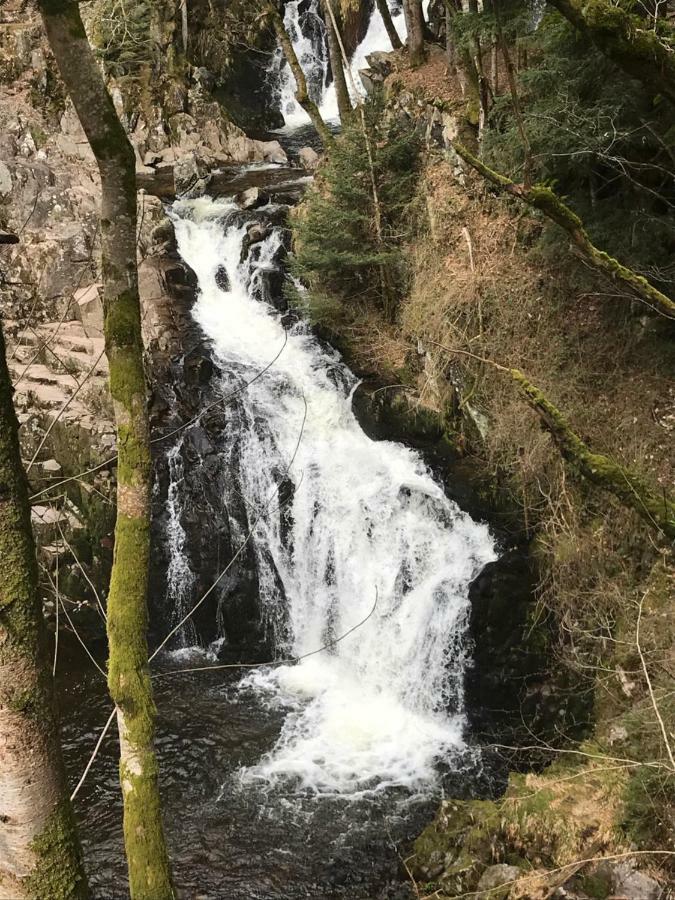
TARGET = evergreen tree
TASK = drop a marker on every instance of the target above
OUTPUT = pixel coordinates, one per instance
(338, 251)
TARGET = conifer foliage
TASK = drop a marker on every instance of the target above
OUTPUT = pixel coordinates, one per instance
(338, 249)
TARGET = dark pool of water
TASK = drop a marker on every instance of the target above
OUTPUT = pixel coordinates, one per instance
(226, 840)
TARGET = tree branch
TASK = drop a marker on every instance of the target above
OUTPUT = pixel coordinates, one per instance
(545, 200)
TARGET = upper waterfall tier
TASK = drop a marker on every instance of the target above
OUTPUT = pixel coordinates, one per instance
(304, 23)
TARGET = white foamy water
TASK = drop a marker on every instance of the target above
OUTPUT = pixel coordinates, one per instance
(180, 577)
(306, 27)
(365, 519)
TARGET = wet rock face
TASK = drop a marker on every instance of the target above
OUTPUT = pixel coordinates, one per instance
(187, 383)
(514, 689)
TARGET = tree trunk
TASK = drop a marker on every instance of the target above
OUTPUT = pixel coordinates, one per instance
(626, 40)
(40, 855)
(128, 675)
(414, 19)
(392, 33)
(301, 92)
(341, 92)
(542, 198)
(515, 99)
(655, 508)
(461, 61)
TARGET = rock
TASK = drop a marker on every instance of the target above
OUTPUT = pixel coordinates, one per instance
(51, 466)
(163, 235)
(249, 199)
(629, 884)
(90, 310)
(5, 180)
(308, 158)
(185, 131)
(205, 79)
(151, 158)
(273, 152)
(617, 735)
(496, 876)
(191, 176)
(371, 80)
(256, 233)
(222, 278)
(380, 62)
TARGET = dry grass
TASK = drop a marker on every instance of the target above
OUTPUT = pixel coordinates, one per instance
(489, 280)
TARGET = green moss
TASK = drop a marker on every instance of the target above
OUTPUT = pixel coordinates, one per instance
(656, 509)
(58, 873)
(598, 887)
(148, 865)
(130, 688)
(544, 199)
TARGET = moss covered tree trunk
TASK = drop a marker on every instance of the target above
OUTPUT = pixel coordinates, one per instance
(128, 675)
(630, 488)
(627, 39)
(39, 852)
(392, 33)
(341, 91)
(301, 91)
(545, 200)
(414, 19)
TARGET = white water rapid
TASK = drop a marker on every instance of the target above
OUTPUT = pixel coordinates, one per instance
(363, 521)
(180, 577)
(305, 25)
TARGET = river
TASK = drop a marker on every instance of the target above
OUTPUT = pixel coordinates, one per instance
(308, 777)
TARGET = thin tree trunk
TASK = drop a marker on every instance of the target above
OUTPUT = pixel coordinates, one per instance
(494, 64)
(341, 91)
(464, 67)
(414, 19)
(392, 33)
(301, 92)
(40, 855)
(543, 198)
(515, 99)
(128, 675)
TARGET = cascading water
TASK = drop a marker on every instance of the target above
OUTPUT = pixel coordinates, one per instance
(180, 577)
(305, 25)
(340, 523)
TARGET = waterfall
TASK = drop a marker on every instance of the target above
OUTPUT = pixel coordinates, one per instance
(341, 524)
(180, 577)
(305, 25)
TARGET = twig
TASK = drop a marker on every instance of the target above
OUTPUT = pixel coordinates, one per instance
(86, 577)
(242, 545)
(657, 712)
(164, 437)
(277, 662)
(64, 407)
(93, 755)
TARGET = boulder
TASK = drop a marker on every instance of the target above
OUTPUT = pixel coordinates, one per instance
(371, 80)
(252, 198)
(89, 309)
(630, 884)
(222, 278)
(256, 233)
(308, 158)
(273, 152)
(191, 175)
(5, 180)
(380, 62)
(51, 466)
(496, 876)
